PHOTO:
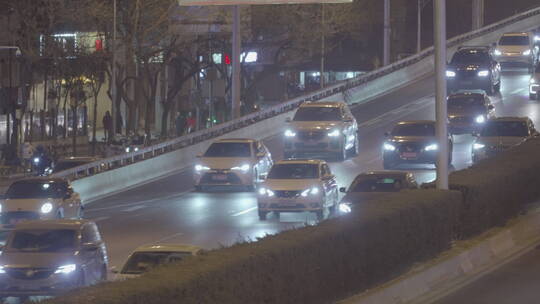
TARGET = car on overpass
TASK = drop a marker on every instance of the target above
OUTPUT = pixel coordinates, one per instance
(501, 134)
(468, 111)
(534, 84)
(147, 257)
(321, 129)
(412, 142)
(517, 48)
(232, 162)
(372, 184)
(47, 258)
(39, 198)
(471, 68)
(296, 185)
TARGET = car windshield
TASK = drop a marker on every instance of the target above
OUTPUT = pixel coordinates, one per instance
(57, 240)
(376, 184)
(229, 149)
(514, 40)
(505, 128)
(318, 114)
(417, 129)
(294, 171)
(470, 57)
(141, 262)
(64, 165)
(36, 189)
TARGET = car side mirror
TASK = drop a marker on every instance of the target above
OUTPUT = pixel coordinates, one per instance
(343, 190)
(288, 119)
(90, 246)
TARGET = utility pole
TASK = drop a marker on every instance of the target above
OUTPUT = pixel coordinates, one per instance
(440, 94)
(420, 7)
(386, 52)
(477, 14)
(236, 53)
(113, 74)
(323, 46)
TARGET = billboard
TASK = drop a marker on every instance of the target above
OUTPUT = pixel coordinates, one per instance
(254, 2)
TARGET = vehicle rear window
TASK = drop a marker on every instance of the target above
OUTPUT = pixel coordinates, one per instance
(57, 240)
(465, 102)
(294, 171)
(376, 184)
(514, 40)
(505, 128)
(229, 149)
(417, 129)
(470, 57)
(36, 189)
(317, 114)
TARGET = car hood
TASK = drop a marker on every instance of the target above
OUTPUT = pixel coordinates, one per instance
(501, 140)
(27, 204)
(38, 259)
(359, 197)
(513, 48)
(413, 139)
(315, 125)
(289, 184)
(224, 162)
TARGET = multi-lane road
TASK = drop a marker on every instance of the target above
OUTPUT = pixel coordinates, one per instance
(169, 211)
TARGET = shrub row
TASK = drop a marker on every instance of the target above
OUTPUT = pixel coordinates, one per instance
(381, 239)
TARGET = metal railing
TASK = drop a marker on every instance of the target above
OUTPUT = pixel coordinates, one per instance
(247, 120)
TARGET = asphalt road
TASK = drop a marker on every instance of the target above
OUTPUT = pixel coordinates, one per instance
(168, 211)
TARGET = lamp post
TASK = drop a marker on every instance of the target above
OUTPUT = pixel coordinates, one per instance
(113, 73)
(386, 51)
(440, 94)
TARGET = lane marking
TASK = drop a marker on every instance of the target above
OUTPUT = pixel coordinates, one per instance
(244, 212)
(131, 209)
(517, 91)
(99, 219)
(172, 196)
(404, 109)
(169, 237)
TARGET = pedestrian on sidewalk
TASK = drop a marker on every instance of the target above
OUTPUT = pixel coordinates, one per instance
(191, 123)
(107, 126)
(180, 124)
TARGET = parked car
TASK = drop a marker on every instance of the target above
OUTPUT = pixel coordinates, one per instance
(534, 84)
(372, 184)
(322, 129)
(468, 111)
(39, 198)
(517, 48)
(46, 258)
(298, 186)
(232, 162)
(412, 142)
(148, 257)
(501, 134)
(473, 68)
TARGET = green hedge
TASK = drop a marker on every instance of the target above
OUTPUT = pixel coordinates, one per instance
(316, 264)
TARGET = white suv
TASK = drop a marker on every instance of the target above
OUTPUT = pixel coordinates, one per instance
(517, 48)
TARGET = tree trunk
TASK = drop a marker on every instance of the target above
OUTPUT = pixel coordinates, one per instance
(94, 125)
(74, 126)
(164, 120)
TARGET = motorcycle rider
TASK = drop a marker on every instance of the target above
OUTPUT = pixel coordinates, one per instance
(41, 160)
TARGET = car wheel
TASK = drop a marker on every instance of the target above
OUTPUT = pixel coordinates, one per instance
(320, 214)
(262, 215)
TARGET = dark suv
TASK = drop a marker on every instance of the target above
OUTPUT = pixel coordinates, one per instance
(473, 68)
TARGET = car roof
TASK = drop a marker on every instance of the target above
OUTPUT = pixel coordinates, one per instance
(42, 180)
(237, 140)
(413, 122)
(326, 104)
(300, 161)
(52, 224)
(509, 118)
(168, 247)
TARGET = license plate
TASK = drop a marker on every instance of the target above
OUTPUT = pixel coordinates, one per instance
(219, 177)
(409, 154)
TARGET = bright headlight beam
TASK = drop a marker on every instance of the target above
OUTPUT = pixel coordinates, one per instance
(450, 74)
(389, 147)
(334, 133)
(497, 53)
(244, 168)
(477, 146)
(65, 269)
(483, 73)
(432, 147)
(345, 208)
(290, 133)
(526, 53)
(480, 119)
(46, 208)
(201, 168)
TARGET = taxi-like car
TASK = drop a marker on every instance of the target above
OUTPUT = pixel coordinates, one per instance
(147, 257)
(468, 111)
(298, 186)
(501, 134)
(368, 185)
(412, 142)
(232, 162)
(39, 198)
(321, 129)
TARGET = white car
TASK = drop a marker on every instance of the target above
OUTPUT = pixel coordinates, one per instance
(146, 257)
(534, 84)
(298, 186)
(40, 198)
(322, 128)
(517, 48)
(232, 162)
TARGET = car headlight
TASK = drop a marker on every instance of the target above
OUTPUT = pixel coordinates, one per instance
(497, 53)
(526, 53)
(483, 73)
(312, 191)
(536, 38)
(431, 147)
(127, 150)
(65, 269)
(345, 207)
(0, 208)
(290, 133)
(136, 149)
(46, 208)
(36, 160)
(264, 191)
(334, 133)
(201, 168)
(2, 269)
(478, 146)
(389, 147)
(450, 74)
(243, 168)
(480, 119)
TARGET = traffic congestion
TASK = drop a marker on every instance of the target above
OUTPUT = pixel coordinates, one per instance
(53, 242)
